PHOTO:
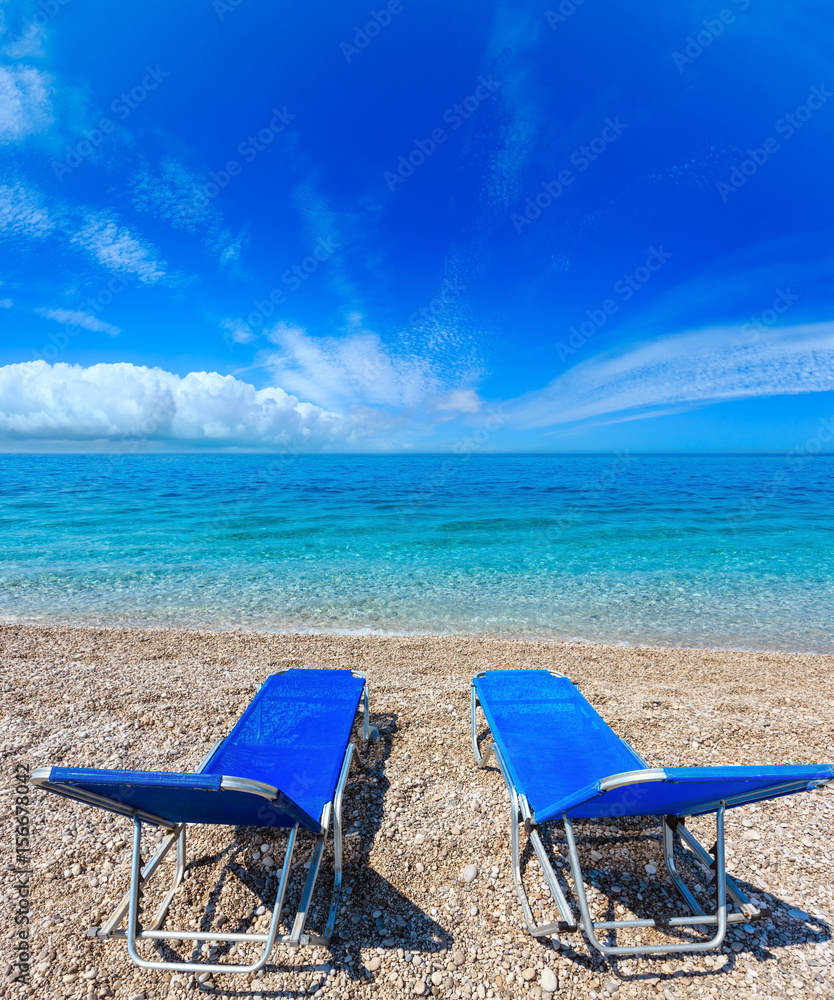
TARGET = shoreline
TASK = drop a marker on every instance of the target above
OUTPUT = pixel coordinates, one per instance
(313, 630)
(421, 811)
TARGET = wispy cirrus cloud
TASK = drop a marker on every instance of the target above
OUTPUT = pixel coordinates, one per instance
(75, 317)
(225, 246)
(349, 227)
(238, 331)
(357, 369)
(685, 369)
(172, 194)
(22, 213)
(344, 371)
(27, 215)
(518, 114)
(117, 249)
(25, 104)
(459, 401)
(176, 195)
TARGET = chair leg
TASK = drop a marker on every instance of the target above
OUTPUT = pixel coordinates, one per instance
(111, 927)
(134, 933)
(515, 818)
(162, 910)
(337, 853)
(297, 935)
(739, 898)
(719, 920)
(670, 837)
(567, 920)
(474, 721)
(307, 893)
(369, 731)
(519, 813)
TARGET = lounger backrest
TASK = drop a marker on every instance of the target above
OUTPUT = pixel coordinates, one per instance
(684, 791)
(179, 798)
(550, 737)
(294, 734)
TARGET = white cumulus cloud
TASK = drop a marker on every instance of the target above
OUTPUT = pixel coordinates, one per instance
(690, 368)
(117, 403)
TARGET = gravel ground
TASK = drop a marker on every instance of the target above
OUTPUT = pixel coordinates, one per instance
(420, 813)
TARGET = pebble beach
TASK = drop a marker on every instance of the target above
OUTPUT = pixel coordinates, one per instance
(429, 906)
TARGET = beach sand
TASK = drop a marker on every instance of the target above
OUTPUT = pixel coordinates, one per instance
(421, 811)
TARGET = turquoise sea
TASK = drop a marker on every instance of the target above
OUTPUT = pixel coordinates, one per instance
(730, 552)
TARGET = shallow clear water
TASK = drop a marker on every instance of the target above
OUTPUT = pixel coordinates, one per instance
(733, 552)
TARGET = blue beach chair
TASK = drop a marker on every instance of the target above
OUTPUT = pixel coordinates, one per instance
(284, 764)
(560, 760)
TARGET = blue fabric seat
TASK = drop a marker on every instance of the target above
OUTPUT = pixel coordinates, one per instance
(552, 739)
(291, 738)
(559, 750)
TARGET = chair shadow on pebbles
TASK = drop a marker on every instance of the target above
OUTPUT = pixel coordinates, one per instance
(611, 852)
(372, 912)
(376, 914)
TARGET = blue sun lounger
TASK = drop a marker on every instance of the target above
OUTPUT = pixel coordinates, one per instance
(560, 760)
(284, 764)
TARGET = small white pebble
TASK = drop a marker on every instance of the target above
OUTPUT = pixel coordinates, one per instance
(548, 981)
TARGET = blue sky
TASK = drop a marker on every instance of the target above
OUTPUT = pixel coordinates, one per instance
(578, 227)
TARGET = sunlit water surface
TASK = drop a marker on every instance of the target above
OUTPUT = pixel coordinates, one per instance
(731, 552)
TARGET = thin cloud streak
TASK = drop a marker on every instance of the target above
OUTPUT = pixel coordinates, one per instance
(696, 367)
(86, 321)
(22, 213)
